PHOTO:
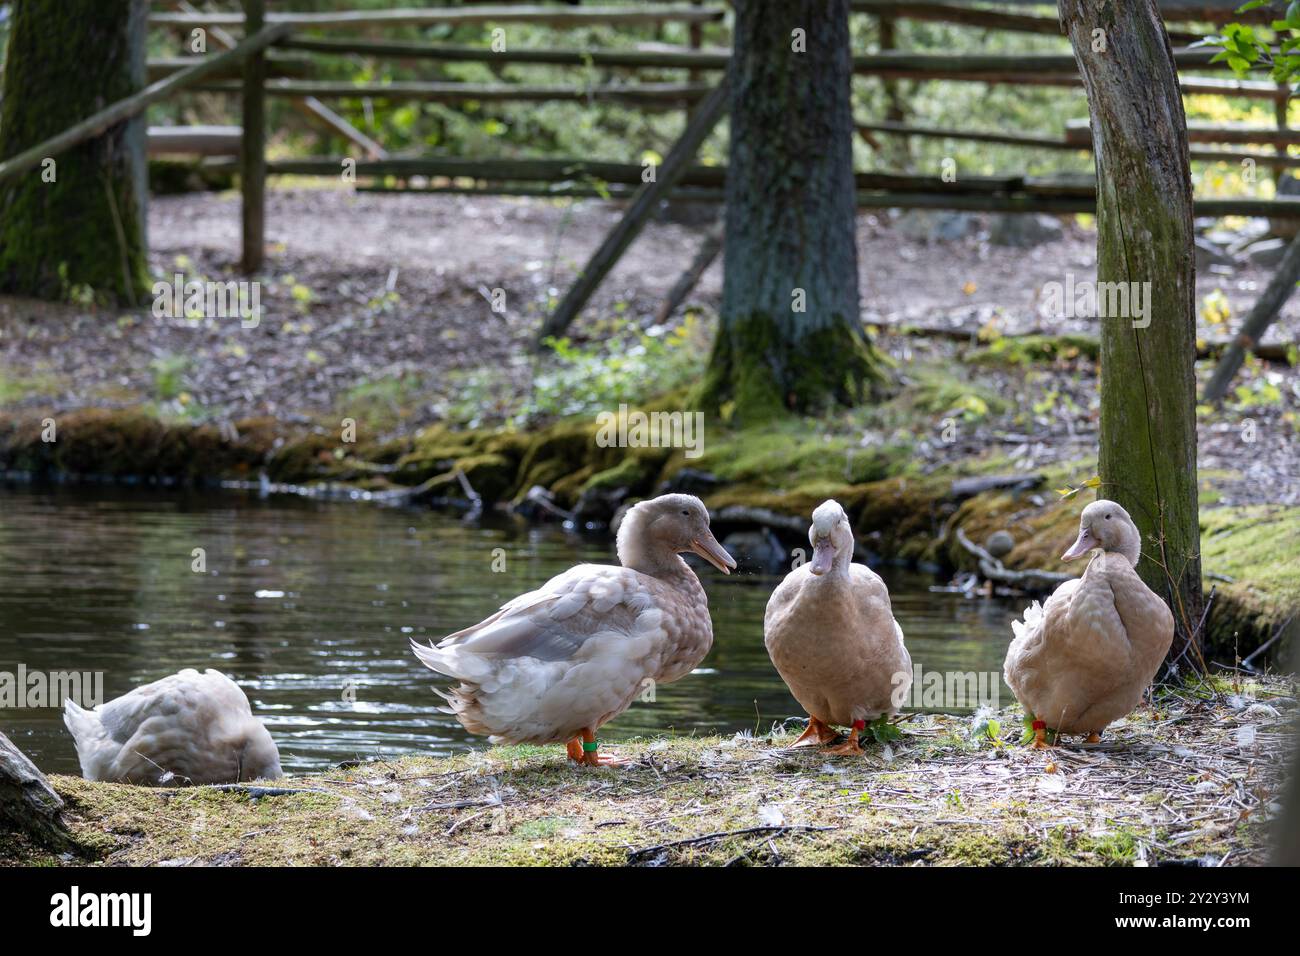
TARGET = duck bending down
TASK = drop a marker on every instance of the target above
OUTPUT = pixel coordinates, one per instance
(553, 665)
(832, 637)
(186, 728)
(1085, 658)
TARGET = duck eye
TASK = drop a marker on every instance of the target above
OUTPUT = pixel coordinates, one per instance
(1107, 517)
(686, 512)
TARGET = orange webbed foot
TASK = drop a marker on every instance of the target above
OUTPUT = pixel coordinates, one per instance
(584, 749)
(818, 732)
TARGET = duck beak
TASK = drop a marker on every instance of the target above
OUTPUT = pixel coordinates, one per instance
(1082, 545)
(707, 547)
(823, 556)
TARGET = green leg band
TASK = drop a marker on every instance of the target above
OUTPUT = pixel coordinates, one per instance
(591, 747)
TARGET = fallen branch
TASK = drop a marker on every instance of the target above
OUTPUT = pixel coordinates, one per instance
(1032, 579)
(254, 791)
(722, 835)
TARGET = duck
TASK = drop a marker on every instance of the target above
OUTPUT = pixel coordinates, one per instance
(555, 664)
(1085, 658)
(187, 728)
(830, 631)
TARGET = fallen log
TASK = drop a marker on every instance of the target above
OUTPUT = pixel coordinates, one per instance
(969, 487)
(27, 801)
(1268, 351)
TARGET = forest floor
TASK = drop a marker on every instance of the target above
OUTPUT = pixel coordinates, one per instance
(378, 307)
(1191, 779)
(378, 311)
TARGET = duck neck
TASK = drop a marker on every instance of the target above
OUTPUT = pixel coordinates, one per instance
(1129, 545)
(659, 563)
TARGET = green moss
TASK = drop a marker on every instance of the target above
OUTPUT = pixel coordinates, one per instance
(631, 473)
(684, 800)
(1032, 349)
(492, 476)
(757, 374)
(1255, 548)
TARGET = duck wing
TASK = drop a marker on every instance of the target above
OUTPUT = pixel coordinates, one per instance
(551, 662)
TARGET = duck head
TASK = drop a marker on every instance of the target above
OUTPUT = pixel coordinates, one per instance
(831, 536)
(655, 530)
(260, 759)
(1106, 526)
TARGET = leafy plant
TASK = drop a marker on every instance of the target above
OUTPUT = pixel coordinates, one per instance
(1244, 49)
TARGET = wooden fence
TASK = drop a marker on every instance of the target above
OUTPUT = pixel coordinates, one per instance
(280, 54)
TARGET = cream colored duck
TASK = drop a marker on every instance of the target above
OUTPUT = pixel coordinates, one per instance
(555, 664)
(1085, 658)
(831, 634)
(187, 728)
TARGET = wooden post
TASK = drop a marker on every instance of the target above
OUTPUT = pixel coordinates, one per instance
(634, 220)
(1280, 112)
(894, 111)
(252, 163)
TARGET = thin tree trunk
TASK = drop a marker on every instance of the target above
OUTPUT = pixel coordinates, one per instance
(78, 220)
(1262, 314)
(1147, 455)
(789, 335)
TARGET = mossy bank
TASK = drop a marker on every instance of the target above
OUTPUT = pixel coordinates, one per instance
(1189, 779)
(773, 475)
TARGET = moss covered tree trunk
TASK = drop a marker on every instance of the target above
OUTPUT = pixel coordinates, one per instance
(789, 336)
(77, 221)
(1147, 457)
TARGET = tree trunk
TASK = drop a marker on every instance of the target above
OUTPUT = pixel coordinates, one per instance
(79, 223)
(1147, 455)
(789, 336)
(27, 801)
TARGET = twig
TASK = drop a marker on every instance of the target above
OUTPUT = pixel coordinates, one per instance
(1282, 628)
(994, 570)
(722, 835)
(254, 791)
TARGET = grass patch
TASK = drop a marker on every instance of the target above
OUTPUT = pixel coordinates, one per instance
(1153, 791)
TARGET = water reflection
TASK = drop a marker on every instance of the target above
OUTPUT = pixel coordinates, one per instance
(309, 606)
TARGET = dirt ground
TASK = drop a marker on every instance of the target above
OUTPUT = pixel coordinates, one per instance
(363, 288)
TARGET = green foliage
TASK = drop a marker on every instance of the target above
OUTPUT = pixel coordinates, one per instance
(1245, 48)
(884, 730)
(168, 373)
(626, 365)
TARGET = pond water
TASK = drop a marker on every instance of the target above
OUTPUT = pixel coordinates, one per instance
(309, 606)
